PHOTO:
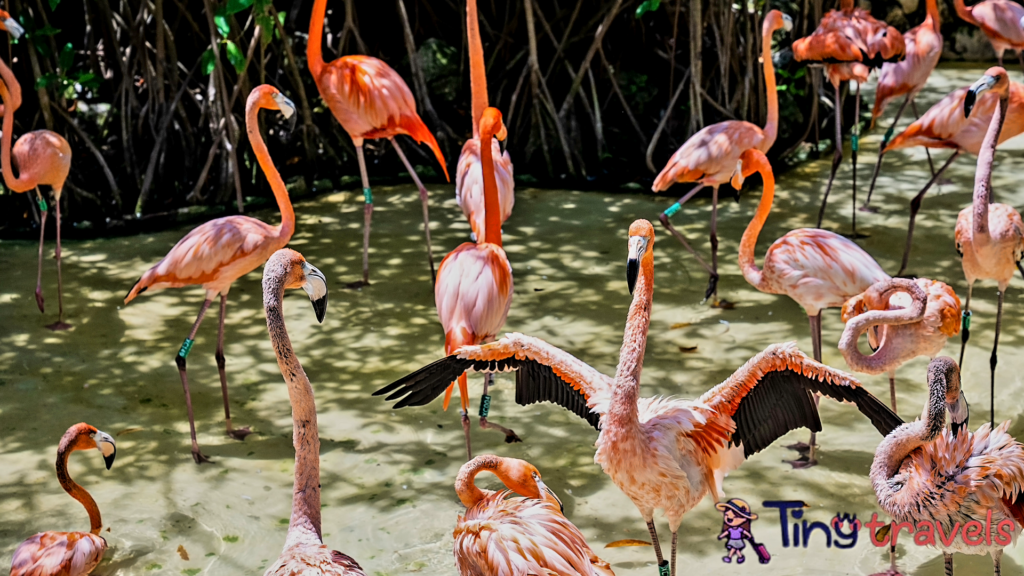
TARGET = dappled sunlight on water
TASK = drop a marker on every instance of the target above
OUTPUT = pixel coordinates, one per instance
(387, 475)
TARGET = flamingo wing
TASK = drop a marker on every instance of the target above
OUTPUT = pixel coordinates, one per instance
(544, 373)
(65, 553)
(347, 563)
(710, 155)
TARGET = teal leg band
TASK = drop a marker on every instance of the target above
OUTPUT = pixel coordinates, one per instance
(663, 569)
(186, 347)
(485, 406)
(42, 204)
(967, 320)
(671, 211)
(888, 136)
(368, 195)
(855, 140)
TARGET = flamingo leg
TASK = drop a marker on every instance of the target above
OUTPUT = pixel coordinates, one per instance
(892, 389)
(947, 560)
(675, 540)
(464, 412)
(657, 545)
(714, 242)
(59, 324)
(881, 154)
(367, 218)
(893, 571)
(807, 458)
(993, 360)
(42, 232)
(965, 329)
(240, 433)
(186, 347)
(664, 219)
(485, 406)
(915, 205)
(837, 156)
(927, 151)
(854, 146)
(997, 555)
(426, 207)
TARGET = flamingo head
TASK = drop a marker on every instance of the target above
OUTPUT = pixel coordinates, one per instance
(491, 124)
(641, 247)
(776, 20)
(302, 274)
(945, 370)
(10, 25)
(995, 79)
(523, 478)
(266, 96)
(86, 437)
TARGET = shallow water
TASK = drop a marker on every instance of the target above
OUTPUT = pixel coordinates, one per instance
(387, 475)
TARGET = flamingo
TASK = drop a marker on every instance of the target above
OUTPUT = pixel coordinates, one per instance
(945, 126)
(1000, 21)
(44, 159)
(989, 237)
(709, 156)
(816, 268)
(69, 553)
(304, 550)
(663, 453)
(221, 251)
(849, 42)
(469, 180)
(473, 292)
(918, 327)
(924, 472)
(370, 100)
(502, 535)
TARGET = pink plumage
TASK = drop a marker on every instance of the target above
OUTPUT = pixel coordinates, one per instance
(469, 184)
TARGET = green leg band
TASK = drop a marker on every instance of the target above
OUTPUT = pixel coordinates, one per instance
(42, 204)
(368, 195)
(888, 136)
(663, 568)
(967, 320)
(855, 140)
(671, 211)
(485, 406)
(186, 347)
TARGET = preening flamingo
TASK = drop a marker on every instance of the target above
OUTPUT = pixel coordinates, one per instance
(221, 251)
(925, 472)
(473, 292)
(371, 101)
(663, 453)
(469, 178)
(43, 158)
(1000, 21)
(912, 318)
(69, 553)
(512, 536)
(304, 550)
(945, 126)
(849, 42)
(989, 237)
(709, 156)
(816, 268)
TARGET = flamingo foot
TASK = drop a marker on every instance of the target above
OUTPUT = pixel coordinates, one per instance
(890, 572)
(510, 436)
(724, 304)
(869, 209)
(802, 462)
(239, 433)
(356, 285)
(59, 326)
(199, 457)
(39, 300)
(801, 447)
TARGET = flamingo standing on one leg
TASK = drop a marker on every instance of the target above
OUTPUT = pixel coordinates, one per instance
(474, 284)
(816, 268)
(371, 101)
(304, 550)
(502, 535)
(945, 126)
(1000, 21)
(924, 472)
(989, 237)
(69, 553)
(664, 452)
(221, 251)
(709, 156)
(43, 158)
(849, 42)
(469, 180)
(906, 329)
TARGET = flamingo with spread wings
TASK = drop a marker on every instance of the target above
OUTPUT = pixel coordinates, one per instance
(663, 453)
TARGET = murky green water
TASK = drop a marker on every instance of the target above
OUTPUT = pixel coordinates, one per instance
(387, 475)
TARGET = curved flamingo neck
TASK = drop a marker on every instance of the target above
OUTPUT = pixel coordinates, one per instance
(314, 50)
(259, 147)
(465, 487)
(771, 127)
(909, 437)
(305, 521)
(965, 12)
(932, 15)
(846, 5)
(67, 446)
(983, 175)
(492, 204)
(889, 353)
(477, 68)
(10, 93)
(622, 413)
(756, 162)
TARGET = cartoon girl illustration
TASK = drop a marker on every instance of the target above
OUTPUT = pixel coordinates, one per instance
(736, 517)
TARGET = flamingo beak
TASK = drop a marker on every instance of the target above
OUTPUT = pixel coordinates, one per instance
(637, 248)
(543, 488)
(13, 28)
(502, 137)
(977, 89)
(105, 444)
(287, 108)
(316, 288)
(959, 414)
(787, 23)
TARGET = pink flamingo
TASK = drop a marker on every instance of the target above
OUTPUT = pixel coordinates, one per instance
(530, 535)
(469, 179)
(816, 268)
(473, 292)
(1000, 21)
(989, 237)
(925, 472)
(709, 156)
(370, 100)
(69, 553)
(221, 251)
(915, 318)
(664, 452)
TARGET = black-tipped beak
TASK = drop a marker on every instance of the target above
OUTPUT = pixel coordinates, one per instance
(632, 271)
(974, 92)
(316, 289)
(320, 308)
(969, 100)
(960, 414)
(109, 460)
(291, 122)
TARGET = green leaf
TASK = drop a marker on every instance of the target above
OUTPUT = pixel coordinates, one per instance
(89, 80)
(207, 63)
(222, 25)
(46, 31)
(234, 6)
(67, 57)
(235, 56)
(647, 6)
(47, 80)
(53, 4)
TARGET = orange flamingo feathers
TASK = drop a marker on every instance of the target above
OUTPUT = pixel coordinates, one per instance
(44, 159)
(370, 100)
(1000, 21)
(709, 156)
(989, 236)
(499, 535)
(304, 550)
(69, 553)
(474, 286)
(221, 251)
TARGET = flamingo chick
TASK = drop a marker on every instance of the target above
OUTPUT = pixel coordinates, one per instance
(916, 318)
(925, 472)
(69, 553)
(504, 536)
(221, 251)
(663, 453)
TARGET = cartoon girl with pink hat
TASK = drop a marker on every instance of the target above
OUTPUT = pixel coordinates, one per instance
(736, 517)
